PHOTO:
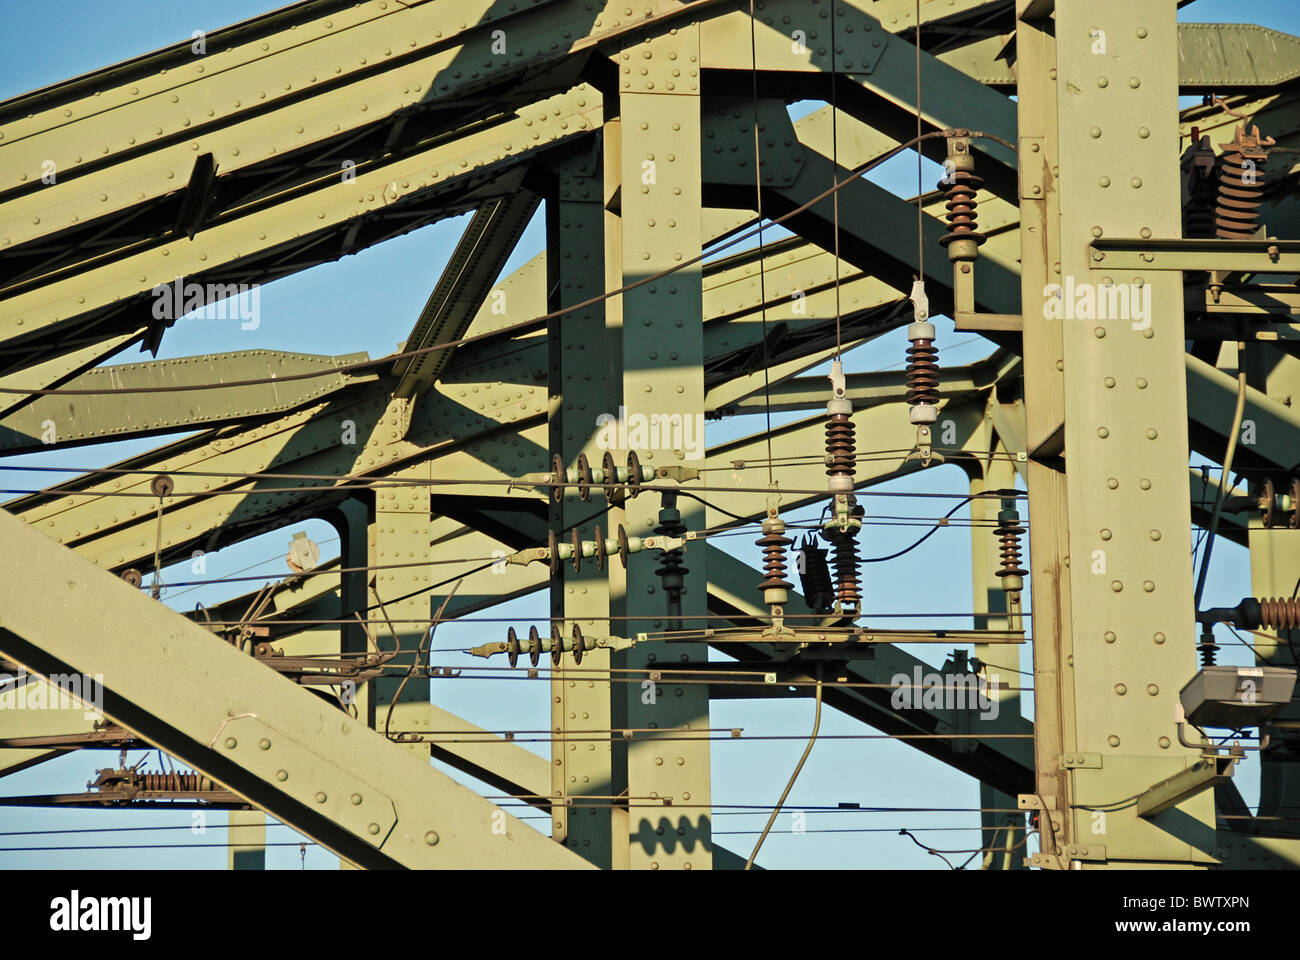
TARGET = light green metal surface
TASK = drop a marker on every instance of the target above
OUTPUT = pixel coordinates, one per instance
(633, 126)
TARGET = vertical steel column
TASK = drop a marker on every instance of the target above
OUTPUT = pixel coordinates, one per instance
(398, 595)
(1126, 439)
(1044, 388)
(663, 378)
(583, 374)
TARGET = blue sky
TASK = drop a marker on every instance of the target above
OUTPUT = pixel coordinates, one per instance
(368, 302)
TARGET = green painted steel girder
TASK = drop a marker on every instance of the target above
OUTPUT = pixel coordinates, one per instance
(265, 738)
(878, 71)
(276, 92)
(56, 371)
(58, 421)
(254, 245)
(1212, 58)
(488, 240)
(868, 215)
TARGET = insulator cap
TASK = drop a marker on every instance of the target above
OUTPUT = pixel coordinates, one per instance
(923, 330)
(922, 413)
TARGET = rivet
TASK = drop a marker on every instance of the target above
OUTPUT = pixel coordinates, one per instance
(1144, 483)
(1116, 585)
(1112, 483)
(231, 743)
(373, 829)
(1154, 534)
(1109, 382)
(1148, 586)
(431, 838)
(1164, 743)
(1099, 332)
(282, 775)
(1102, 82)
(1121, 689)
(1152, 689)
(264, 743)
(320, 797)
(356, 799)
(1104, 181)
(1105, 534)
(1109, 636)
(1159, 637)
(1151, 433)
(1103, 432)
(1113, 740)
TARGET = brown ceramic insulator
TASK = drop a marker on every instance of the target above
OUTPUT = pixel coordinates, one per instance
(1009, 538)
(961, 205)
(840, 445)
(848, 590)
(1241, 185)
(173, 782)
(1279, 613)
(922, 373)
(1237, 211)
(774, 545)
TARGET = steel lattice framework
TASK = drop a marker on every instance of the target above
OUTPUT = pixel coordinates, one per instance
(649, 132)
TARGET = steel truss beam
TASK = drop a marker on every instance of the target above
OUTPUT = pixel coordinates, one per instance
(266, 739)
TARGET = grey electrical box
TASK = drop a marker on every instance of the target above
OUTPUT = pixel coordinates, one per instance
(1234, 697)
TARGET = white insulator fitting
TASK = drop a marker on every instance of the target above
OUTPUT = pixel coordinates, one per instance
(920, 302)
(838, 484)
(922, 413)
(839, 405)
(920, 330)
(836, 378)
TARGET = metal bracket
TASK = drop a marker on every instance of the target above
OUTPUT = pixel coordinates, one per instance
(1077, 761)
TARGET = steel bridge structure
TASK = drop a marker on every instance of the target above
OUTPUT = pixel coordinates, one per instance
(650, 134)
